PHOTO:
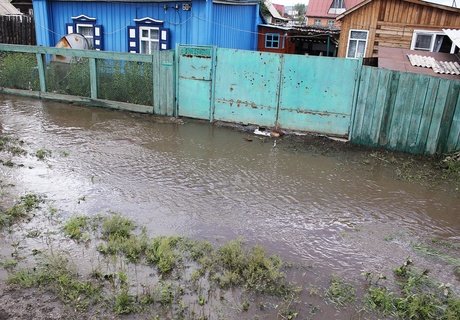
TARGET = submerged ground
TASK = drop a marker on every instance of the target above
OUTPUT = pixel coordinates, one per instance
(117, 215)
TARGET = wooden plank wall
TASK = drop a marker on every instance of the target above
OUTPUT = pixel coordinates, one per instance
(391, 23)
(407, 112)
(17, 30)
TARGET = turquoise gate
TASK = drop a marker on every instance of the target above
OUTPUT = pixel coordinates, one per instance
(292, 92)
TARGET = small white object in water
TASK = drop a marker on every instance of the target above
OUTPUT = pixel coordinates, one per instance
(262, 132)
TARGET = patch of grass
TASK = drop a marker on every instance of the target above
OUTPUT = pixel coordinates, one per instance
(11, 145)
(234, 265)
(433, 252)
(340, 292)
(9, 264)
(117, 226)
(20, 210)
(56, 274)
(161, 252)
(76, 227)
(41, 154)
(124, 303)
(418, 297)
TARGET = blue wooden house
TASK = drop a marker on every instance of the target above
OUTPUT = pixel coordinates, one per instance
(141, 26)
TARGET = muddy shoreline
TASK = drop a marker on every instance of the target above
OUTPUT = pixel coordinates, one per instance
(330, 210)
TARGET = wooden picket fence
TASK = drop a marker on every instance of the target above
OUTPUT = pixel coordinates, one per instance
(17, 30)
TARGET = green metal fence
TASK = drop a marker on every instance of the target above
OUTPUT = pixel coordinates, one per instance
(407, 112)
(112, 79)
(374, 107)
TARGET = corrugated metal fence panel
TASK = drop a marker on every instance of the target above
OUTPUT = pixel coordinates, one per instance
(313, 99)
(195, 81)
(406, 112)
(41, 24)
(235, 26)
(453, 141)
(246, 88)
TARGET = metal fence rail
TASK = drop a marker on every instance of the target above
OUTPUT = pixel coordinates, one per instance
(374, 107)
(134, 82)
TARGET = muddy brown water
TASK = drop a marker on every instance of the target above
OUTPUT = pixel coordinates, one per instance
(326, 210)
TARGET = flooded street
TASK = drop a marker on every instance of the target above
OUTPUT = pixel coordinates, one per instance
(316, 206)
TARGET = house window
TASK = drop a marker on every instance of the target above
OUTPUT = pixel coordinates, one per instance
(431, 41)
(337, 7)
(317, 22)
(148, 36)
(330, 23)
(357, 43)
(337, 4)
(86, 30)
(272, 40)
(149, 39)
(87, 27)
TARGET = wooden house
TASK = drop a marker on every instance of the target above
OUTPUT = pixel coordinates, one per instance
(298, 40)
(143, 26)
(404, 24)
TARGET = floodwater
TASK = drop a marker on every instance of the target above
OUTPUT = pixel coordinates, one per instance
(313, 206)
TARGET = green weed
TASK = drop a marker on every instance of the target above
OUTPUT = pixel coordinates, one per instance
(19, 71)
(20, 210)
(418, 297)
(55, 273)
(9, 264)
(160, 252)
(76, 227)
(124, 303)
(340, 292)
(41, 154)
(117, 226)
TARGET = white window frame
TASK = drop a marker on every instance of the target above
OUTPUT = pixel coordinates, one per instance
(148, 39)
(272, 40)
(90, 38)
(317, 22)
(330, 23)
(433, 35)
(348, 43)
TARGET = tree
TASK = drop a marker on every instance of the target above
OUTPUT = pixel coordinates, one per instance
(301, 10)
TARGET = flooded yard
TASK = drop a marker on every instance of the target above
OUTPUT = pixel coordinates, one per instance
(329, 210)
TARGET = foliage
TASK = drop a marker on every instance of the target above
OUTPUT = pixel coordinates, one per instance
(125, 81)
(41, 154)
(20, 210)
(55, 273)
(76, 226)
(418, 297)
(69, 78)
(340, 292)
(19, 71)
(160, 252)
(11, 145)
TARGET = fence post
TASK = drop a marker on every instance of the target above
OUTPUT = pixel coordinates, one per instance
(41, 71)
(213, 84)
(176, 81)
(156, 82)
(280, 88)
(93, 77)
(354, 100)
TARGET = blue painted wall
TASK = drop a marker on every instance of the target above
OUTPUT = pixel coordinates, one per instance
(207, 23)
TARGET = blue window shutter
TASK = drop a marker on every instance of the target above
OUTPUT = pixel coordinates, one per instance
(69, 28)
(165, 43)
(98, 38)
(133, 39)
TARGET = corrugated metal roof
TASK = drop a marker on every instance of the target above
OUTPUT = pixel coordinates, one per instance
(273, 12)
(441, 67)
(6, 8)
(454, 35)
(320, 8)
